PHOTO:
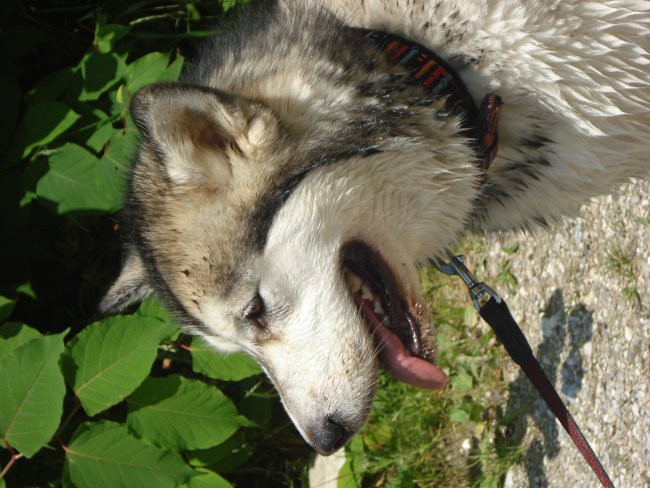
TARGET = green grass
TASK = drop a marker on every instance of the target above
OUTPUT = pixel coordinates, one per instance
(623, 266)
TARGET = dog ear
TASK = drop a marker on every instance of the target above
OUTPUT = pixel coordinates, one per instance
(199, 132)
(130, 288)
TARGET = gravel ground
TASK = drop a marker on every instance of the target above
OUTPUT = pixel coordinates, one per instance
(582, 297)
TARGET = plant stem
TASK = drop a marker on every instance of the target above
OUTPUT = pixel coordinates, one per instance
(14, 457)
(67, 420)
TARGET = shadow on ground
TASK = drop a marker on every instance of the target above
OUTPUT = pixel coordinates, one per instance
(564, 333)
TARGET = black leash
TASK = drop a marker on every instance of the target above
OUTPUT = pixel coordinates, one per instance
(495, 312)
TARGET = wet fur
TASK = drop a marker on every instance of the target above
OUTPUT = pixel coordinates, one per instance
(288, 138)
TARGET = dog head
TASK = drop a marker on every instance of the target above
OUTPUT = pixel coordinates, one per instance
(297, 246)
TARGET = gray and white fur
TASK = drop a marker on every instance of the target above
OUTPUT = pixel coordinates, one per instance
(289, 138)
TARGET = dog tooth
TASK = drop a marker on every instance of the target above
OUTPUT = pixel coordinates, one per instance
(377, 308)
(353, 281)
(366, 294)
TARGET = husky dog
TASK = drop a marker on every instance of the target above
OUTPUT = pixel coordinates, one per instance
(286, 190)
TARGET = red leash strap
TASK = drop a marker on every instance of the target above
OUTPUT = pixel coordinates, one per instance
(497, 314)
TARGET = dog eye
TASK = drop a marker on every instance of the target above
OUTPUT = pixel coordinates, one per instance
(255, 311)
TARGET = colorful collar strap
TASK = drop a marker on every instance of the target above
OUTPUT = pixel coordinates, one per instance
(438, 78)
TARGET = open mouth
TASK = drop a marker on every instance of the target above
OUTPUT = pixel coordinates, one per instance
(394, 317)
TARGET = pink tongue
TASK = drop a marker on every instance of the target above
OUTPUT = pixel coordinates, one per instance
(396, 360)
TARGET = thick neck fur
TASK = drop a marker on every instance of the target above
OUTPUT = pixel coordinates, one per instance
(572, 75)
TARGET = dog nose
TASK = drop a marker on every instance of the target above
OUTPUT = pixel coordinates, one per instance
(330, 436)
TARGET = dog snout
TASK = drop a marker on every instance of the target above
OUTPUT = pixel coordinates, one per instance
(330, 435)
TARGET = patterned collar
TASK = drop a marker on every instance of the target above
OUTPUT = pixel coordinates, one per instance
(437, 77)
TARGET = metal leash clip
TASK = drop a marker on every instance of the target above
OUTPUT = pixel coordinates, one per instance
(479, 292)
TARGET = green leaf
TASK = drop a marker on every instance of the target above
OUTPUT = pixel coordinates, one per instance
(41, 124)
(643, 221)
(79, 182)
(14, 335)
(105, 455)
(231, 367)
(27, 290)
(119, 102)
(459, 415)
(207, 479)
(230, 4)
(462, 381)
(109, 359)
(380, 436)
(154, 307)
(100, 71)
(173, 71)
(176, 413)
(31, 403)
(51, 86)
(107, 34)
(93, 130)
(152, 68)
(65, 477)
(255, 406)
(100, 136)
(120, 151)
(345, 478)
(229, 455)
(350, 474)
(513, 248)
(6, 307)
